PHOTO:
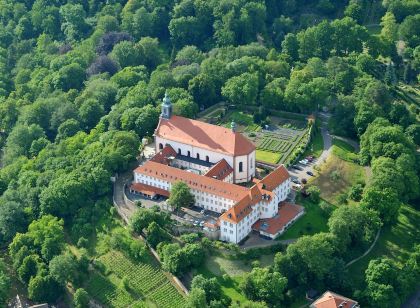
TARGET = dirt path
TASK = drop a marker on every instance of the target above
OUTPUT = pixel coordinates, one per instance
(367, 251)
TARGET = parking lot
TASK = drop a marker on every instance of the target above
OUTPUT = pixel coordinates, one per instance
(300, 170)
(197, 216)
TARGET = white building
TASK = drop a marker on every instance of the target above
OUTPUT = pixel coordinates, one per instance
(206, 142)
(210, 160)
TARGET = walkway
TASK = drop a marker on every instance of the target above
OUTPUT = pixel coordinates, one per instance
(255, 241)
(125, 210)
(367, 251)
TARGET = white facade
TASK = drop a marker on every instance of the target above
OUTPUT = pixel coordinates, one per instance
(236, 232)
(244, 166)
(203, 199)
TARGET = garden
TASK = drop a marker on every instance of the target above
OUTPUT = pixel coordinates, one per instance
(274, 145)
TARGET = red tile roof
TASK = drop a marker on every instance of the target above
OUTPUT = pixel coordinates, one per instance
(220, 170)
(333, 300)
(149, 190)
(262, 188)
(203, 135)
(275, 178)
(287, 211)
(194, 181)
(163, 155)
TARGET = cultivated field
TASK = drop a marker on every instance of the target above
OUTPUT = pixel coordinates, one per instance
(146, 284)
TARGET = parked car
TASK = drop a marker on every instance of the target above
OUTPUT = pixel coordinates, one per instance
(310, 158)
(303, 161)
(296, 181)
(296, 167)
(310, 173)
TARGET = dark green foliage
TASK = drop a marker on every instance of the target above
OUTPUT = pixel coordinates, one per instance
(177, 259)
(210, 286)
(180, 196)
(81, 298)
(263, 285)
(80, 85)
(44, 289)
(156, 234)
(5, 284)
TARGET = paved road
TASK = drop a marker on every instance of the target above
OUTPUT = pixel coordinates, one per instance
(327, 139)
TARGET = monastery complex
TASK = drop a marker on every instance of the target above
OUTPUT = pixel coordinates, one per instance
(212, 160)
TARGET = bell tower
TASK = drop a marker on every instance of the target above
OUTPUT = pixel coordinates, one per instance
(166, 107)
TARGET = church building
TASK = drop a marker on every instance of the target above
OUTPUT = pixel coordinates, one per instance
(211, 160)
(205, 142)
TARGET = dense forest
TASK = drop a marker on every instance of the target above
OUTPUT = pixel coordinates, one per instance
(81, 83)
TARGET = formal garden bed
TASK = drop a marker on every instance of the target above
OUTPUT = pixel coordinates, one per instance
(276, 144)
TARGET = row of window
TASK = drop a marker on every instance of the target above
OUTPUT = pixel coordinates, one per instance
(188, 152)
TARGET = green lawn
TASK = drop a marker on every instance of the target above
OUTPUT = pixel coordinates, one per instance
(316, 146)
(313, 221)
(230, 286)
(269, 157)
(394, 242)
(344, 150)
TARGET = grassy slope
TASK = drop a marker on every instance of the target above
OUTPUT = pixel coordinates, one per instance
(314, 221)
(350, 174)
(230, 286)
(343, 150)
(395, 242)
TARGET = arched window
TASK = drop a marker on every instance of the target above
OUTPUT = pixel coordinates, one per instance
(207, 158)
(198, 156)
(160, 146)
(179, 151)
(241, 167)
(189, 154)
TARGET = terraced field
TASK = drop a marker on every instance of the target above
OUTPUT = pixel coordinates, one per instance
(146, 283)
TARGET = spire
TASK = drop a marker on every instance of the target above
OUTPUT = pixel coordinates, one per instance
(233, 126)
(166, 107)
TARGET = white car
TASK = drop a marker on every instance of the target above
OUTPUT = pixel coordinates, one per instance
(303, 161)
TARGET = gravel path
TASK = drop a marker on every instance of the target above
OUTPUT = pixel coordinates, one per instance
(367, 251)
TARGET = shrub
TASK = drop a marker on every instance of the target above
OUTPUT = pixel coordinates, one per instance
(335, 175)
(82, 242)
(355, 192)
(81, 298)
(342, 198)
(326, 208)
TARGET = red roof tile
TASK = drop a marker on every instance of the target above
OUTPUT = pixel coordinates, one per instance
(163, 155)
(207, 136)
(287, 212)
(275, 178)
(149, 190)
(220, 170)
(333, 300)
(194, 181)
